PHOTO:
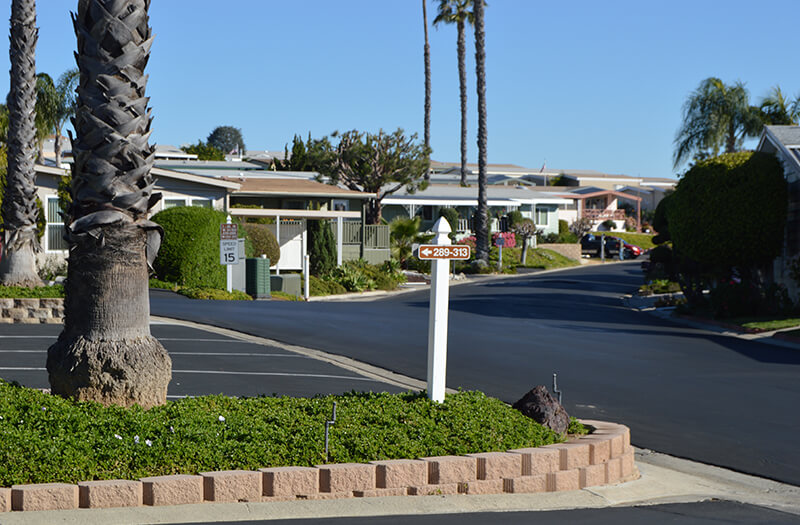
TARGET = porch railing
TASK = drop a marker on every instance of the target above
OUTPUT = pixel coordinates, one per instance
(596, 215)
(376, 236)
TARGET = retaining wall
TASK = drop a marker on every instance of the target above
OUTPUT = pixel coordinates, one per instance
(32, 311)
(571, 251)
(602, 458)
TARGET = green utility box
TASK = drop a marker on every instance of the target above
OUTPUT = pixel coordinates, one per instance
(287, 283)
(257, 282)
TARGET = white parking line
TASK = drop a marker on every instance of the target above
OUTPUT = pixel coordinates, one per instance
(23, 351)
(199, 339)
(28, 337)
(236, 354)
(282, 374)
(20, 368)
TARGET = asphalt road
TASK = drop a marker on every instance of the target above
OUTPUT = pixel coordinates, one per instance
(710, 512)
(683, 391)
(203, 363)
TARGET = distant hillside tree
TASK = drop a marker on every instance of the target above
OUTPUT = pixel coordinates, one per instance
(227, 139)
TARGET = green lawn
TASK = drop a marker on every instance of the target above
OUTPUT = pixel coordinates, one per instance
(45, 438)
(766, 325)
(642, 240)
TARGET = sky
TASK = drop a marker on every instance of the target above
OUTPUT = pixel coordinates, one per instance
(575, 84)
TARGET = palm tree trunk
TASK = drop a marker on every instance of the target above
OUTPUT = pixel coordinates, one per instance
(730, 142)
(20, 242)
(105, 352)
(427, 133)
(462, 85)
(58, 148)
(482, 228)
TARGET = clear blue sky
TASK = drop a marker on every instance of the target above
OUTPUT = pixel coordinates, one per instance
(582, 84)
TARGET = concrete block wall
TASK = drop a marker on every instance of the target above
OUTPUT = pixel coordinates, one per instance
(602, 458)
(32, 311)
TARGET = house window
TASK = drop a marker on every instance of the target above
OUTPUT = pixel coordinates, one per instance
(294, 205)
(174, 203)
(55, 226)
(427, 213)
(341, 205)
(542, 216)
(202, 203)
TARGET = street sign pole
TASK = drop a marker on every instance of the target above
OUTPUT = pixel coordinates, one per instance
(229, 269)
(437, 320)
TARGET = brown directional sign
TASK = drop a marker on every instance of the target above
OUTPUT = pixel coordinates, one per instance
(228, 231)
(433, 251)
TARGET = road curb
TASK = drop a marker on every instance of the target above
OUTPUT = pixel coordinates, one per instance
(604, 457)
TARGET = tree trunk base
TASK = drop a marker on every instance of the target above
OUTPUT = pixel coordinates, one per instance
(18, 268)
(127, 372)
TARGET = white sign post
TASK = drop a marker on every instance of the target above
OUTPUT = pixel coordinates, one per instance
(229, 249)
(437, 320)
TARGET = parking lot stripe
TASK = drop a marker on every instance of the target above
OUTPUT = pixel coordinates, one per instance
(20, 368)
(234, 354)
(284, 374)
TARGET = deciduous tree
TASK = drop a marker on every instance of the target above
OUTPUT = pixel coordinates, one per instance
(380, 163)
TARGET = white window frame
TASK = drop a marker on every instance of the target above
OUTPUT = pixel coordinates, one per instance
(52, 221)
(187, 201)
(538, 212)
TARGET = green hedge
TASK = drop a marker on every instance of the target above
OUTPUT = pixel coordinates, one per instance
(41, 292)
(189, 254)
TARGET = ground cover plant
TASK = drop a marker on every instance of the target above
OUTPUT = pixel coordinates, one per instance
(659, 286)
(46, 438)
(40, 292)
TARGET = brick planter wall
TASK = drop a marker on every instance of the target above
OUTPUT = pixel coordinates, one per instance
(602, 458)
(32, 311)
(571, 251)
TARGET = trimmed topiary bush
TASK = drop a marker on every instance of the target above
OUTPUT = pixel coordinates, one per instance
(189, 254)
(264, 242)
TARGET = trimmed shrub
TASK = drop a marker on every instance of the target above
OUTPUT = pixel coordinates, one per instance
(514, 217)
(189, 254)
(609, 224)
(451, 214)
(563, 228)
(730, 211)
(264, 242)
(214, 294)
(321, 247)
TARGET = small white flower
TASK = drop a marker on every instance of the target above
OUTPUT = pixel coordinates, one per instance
(171, 429)
(44, 409)
(148, 442)
(117, 436)
(1, 417)
(222, 418)
(136, 439)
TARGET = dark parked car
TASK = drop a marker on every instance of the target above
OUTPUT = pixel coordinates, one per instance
(590, 244)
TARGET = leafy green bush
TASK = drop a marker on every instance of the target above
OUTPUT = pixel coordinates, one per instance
(514, 217)
(608, 224)
(41, 292)
(659, 286)
(563, 228)
(49, 439)
(747, 299)
(264, 242)
(214, 294)
(189, 253)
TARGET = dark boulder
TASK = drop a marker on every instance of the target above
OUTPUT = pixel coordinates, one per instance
(543, 408)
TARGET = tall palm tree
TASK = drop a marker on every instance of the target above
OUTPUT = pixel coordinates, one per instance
(427, 53)
(105, 351)
(776, 109)
(715, 116)
(46, 111)
(482, 226)
(20, 242)
(458, 12)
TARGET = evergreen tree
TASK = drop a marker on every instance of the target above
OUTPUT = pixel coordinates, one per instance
(321, 247)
